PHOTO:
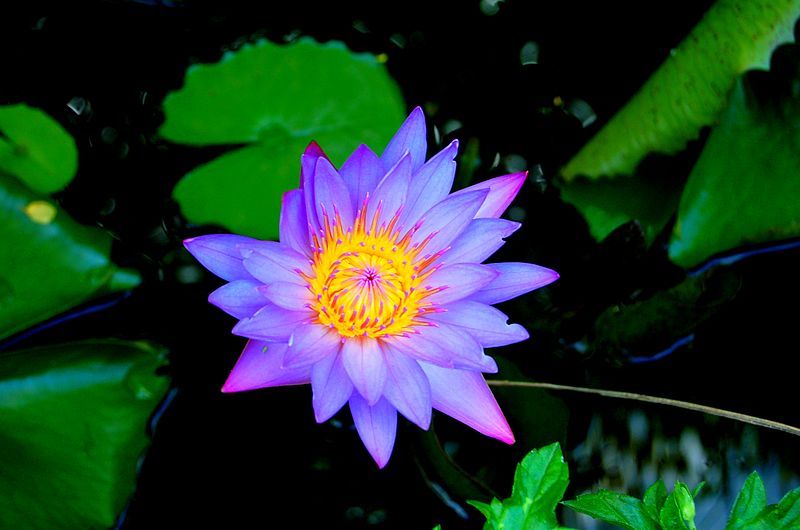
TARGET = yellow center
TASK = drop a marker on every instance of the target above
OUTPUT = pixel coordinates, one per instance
(368, 280)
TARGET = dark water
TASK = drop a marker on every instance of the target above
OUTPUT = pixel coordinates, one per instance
(258, 460)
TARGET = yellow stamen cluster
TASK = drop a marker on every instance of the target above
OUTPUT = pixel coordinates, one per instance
(367, 280)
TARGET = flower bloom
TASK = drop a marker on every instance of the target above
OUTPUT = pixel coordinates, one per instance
(377, 293)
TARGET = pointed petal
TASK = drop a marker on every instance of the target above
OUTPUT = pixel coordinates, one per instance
(308, 164)
(331, 195)
(260, 366)
(269, 261)
(240, 298)
(294, 223)
(376, 425)
(444, 346)
(219, 254)
(363, 360)
(458, 281)
(391, 192)
(447, 219)
(411, 138)
(502, 191)
(291, 296)
(407, 387)
(430, 184)
(479, 240)
(489, 326)
(465, 396)
(331, 387)
(513, 279)
(271, 323)
(311, 343)
(362, 172)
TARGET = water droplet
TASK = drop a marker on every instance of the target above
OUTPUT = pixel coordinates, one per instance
(581, 110)
(78, 105)
(382, 58)
(360, 27)
(398, 40)
(515, 163)
(188, 274)
(529, 54)
(109, 135)
(496, 161)
(40, 212)
(452, 125)
(490, 7)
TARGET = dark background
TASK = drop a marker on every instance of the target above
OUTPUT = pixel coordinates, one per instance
(258, 460)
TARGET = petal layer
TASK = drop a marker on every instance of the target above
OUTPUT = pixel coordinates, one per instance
(239, 298)
(261, 365)
(430, 184)
(458, 281)
(363, 360)
(409, 138)
(481, 239)
(465, 396)
(293, 227)
(514, 279)
(440, 225)
(219, 253)
(361, 173)
(502, 190)
(331, 387)
(488, 325)
(271, 323)
(376, 425)
(407, 387)
(310, 343)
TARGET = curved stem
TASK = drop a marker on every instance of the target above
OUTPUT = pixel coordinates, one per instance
(722, 413)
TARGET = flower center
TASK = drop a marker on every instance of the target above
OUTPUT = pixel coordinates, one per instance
(367, 280)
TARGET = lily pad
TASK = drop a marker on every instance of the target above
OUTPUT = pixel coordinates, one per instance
(36, 149)
(609, 203)
(691, 87)
(74, 426)
(48, 262)
(745, 187)
(275, 98)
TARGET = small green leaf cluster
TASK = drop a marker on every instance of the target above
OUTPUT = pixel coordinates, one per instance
(542, 478)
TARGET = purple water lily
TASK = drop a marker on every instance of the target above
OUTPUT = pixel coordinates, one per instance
(377, 293)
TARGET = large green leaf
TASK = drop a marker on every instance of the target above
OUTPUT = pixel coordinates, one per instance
(48, 262)
(36, 149)
(615, 508)
(690, 88)
(745, 186)
(277, 98)
(73, 427)
(609, 203)
(752, 499)
(539, 484)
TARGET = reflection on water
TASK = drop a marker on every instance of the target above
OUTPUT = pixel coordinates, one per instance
(628, 450)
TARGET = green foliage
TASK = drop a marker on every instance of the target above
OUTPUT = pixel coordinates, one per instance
(609, 203)
(615, 508)
(750, 511)
(275, 99)
(745, 185)
(690, 88)
(48, 262)
(539, 484)
(73, 427)
(740, 191)
(542, 477)
(36, 149)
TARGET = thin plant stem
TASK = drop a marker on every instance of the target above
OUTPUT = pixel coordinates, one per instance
(722, 413)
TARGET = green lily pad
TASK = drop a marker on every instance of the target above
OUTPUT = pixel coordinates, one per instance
(276, 98)
(73, 428)
(36, 149)
(609, 203)
(745, 187)
(690, 89)
(48, 262)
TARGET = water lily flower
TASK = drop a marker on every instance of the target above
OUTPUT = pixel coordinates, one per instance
(377, 293)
